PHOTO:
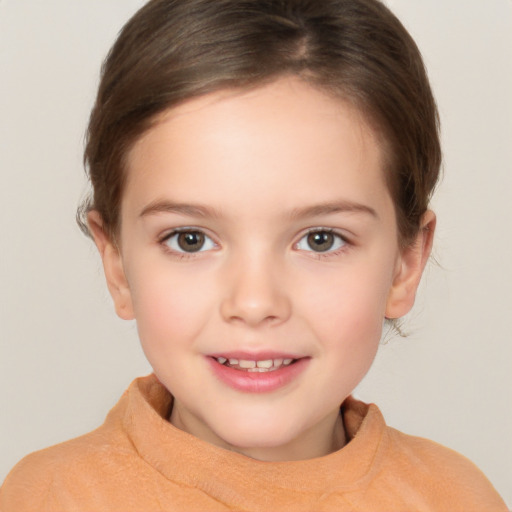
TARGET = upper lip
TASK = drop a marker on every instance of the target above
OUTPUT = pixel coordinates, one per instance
(255, 356)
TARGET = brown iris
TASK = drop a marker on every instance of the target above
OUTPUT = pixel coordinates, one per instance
(321, 241)
(191, 241)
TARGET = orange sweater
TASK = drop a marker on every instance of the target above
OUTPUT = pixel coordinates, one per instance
(137, 461)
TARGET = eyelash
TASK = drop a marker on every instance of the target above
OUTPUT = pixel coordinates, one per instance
(182, 255)
(346, 243)
(163, 242)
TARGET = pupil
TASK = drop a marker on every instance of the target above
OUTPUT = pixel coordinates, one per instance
(191, 241)
(321, 241)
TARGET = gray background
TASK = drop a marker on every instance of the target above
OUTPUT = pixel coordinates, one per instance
(64, 356)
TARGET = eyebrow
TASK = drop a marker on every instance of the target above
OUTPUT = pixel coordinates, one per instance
(332, 208)
(191, 210)
(197, 210)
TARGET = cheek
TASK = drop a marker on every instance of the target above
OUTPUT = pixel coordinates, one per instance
(169, 306)
(353, 297)
(347, 315)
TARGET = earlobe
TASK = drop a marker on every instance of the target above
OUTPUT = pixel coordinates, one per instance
(112, 266)
(410, 267)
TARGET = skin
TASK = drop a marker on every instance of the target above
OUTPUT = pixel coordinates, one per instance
(257, 171)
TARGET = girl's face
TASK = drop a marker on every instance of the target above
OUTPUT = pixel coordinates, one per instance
(259, 255)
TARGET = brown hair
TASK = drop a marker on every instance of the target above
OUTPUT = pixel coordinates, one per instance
(174, 50)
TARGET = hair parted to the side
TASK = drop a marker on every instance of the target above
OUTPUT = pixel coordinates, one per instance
(175, 50)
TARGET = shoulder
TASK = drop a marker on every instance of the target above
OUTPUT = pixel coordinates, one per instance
(428, 455)
(46, 479)
(28, 485)
(40, 480)
(449, 479)
(413, 473)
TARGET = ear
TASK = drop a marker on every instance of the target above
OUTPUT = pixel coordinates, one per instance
(410, 266)
(112, 266)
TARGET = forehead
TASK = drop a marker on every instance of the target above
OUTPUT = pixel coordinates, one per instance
(257, 143)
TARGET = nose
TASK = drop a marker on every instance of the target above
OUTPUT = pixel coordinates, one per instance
(255, 293)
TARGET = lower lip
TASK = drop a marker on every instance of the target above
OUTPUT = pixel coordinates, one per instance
(256, 382)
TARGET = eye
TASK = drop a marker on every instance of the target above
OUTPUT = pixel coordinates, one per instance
(321, 240)
(189, 241)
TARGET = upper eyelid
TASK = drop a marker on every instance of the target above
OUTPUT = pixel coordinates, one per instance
(341, 233)
(168, 233)
(347, 244)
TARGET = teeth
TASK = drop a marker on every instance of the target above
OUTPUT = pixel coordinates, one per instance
(247, 364)
(265, 364)
(255, 366)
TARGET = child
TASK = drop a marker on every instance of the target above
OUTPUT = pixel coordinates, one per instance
(261, 173)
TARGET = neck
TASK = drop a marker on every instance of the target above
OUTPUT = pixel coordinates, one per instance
(320, 440)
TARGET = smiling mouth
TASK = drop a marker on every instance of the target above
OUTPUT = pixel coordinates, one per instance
(246, 365)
